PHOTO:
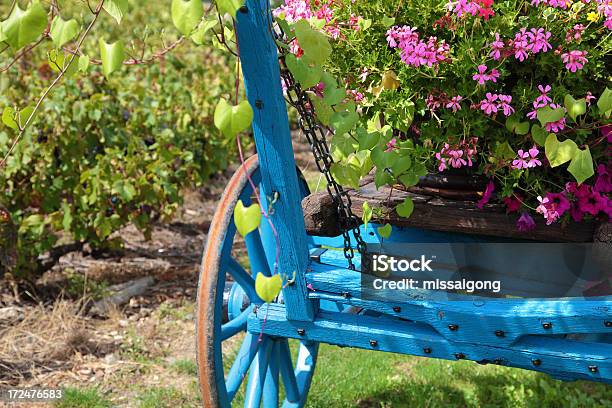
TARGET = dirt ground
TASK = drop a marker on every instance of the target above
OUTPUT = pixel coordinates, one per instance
(49, 337)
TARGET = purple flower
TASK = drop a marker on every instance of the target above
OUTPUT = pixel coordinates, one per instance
(486, 196)
(558, 202)
(604, 182)
(525, 223)
(454, 103)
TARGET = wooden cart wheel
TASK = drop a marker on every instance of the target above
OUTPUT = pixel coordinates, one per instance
(260, 360)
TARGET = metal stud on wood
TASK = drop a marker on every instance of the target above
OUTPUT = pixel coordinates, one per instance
(301, 332)
(397, 309)
(547, 326)
(373, 343)
(536, 362)
(453, 327)
(500, 333)
(593, 369)
(427, 350)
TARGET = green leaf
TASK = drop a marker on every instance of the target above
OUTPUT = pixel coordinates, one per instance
(231, 120)
(186, 15)
(323, 110)
(574, 107)
(385, 231)
(539, 134)
(268, 287)
(605, 103)
(367, 140)
(347, 174)
(63, 31)
(247, 219)
(307, 76)
(229, 6)
(387, 21)
(559, 153)
(514, 125)
(83, 63)
(406, 208)
(410, 179)
(67, 216)
(61, 61)
(364, 23)
(581, 166)
(112, 56)
(367, 214)
(11, 119)
(116, 8)
(549, 115)
(342, 145)
(24, 26)
(315, 44)
(343, 122)
(199, 36)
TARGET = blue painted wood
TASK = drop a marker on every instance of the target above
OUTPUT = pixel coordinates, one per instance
(235, 325)
(243, 278)
(242, 362)
(557, 356)
(273, 141)
(257, 375)
(257, 255)
(292, 392)
(304, 368)
(271, 385)
(478, 318)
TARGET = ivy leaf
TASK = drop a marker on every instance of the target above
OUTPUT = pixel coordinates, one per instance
(574, 107)
(229, 6)
(63, 31)
(342, 145)
(231, 120)
(344, 121)
(83, 63)
(314, 43)
(112, 56)
(24, 26)
(406, 208)
(307, 76)
(539, 134)
(581, 166)
(60, 61)
(410, 179)
(186, 15)
(367, 214)
(323, 110)
(559, 153)
(199, 36)
(16, 120)
(268, 287)
(247, 219)
(514, 125)
(385, 231)
(367, 140)
(346, 173)
(116, 8)
(549, 115)
(605, 102)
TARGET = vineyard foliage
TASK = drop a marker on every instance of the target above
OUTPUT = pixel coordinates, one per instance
(111, 144)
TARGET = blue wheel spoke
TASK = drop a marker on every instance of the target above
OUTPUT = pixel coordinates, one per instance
(286, 369)
(241, 364)
(257, 254)
(236, 325)
(271, 385)
(244, 279)
(257, 375)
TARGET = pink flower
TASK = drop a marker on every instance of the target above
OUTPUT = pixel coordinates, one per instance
(604, 181)
(496, 47)
(454, 103)
(505, 104)
(555, 126)
(527, 159)
(457, 156)
(513, 203)
(593, 203)
(391, 145)
(364, 74)
(414, 51)
(547, 210)
(575, 33)
(486, 196)
(574, 60)
(543, 99)
(525, 223)
(481, 77)
(489, 105)
(294, 10)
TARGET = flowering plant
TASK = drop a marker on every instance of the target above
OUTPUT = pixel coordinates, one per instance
(515, 91)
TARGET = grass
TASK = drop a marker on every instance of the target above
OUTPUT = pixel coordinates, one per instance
(83, 398)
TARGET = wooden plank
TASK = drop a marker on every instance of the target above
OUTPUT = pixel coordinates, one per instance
(559, 357)
(438, 214)
(477, 318)
(261, 73)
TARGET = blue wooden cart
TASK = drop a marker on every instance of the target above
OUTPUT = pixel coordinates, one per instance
(567, 338)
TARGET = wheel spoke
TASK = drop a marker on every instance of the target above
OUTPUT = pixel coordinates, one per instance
(257, 255)
(271, 389)
(241, 365)
(236, 325)
(257, 375)
(244, 279)
(286, 369)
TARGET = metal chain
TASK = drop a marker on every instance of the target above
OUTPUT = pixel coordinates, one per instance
(315, 134)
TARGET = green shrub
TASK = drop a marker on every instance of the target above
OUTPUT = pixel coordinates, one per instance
(104, 153)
